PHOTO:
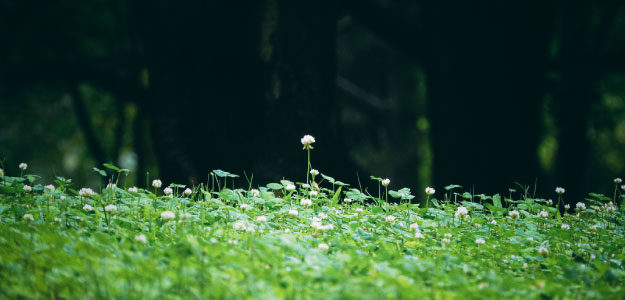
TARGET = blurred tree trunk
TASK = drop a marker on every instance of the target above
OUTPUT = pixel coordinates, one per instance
(485, 73)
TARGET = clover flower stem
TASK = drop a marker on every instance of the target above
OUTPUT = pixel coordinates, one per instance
(614, 198)
(427, 201)
(386, 194)
(558, 207)
(308, 166)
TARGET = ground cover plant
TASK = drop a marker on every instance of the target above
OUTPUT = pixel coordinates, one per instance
(302, 240)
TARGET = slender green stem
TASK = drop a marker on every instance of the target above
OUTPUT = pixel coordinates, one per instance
(308, 166)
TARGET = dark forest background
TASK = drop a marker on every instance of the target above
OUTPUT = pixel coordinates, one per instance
(484, 94)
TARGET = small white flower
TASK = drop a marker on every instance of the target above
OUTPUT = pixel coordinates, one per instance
(28, 217)
(57, 219)
(323, 246)
(167, 215)
(419, 235)
(461, 212)
(313, 193)
(293, 212)
(430, 191)
(27, 188)
(565, 226)
(261, 219)
(110, 208)
(446, 241)
(255, 192)
(156, 183)
(239, 225)
(168, 191)
(414, 226)
(567, 206)
(85, 192)
(618, 180)
(187, 192)
(307, 141)
(49, 187)
(623, 187)
(390, 218)
(315, 224)
(305, 185)
(580, 206)
(386, 182)
(305, 202)
(448, 235)
(543, 251)
(133, 189)
(543, 214)
(359, 209)
(1, 173)
(560, 190)
(493, 222)
(549, 202)
(23, 166)
(290, 187)
(322, 216)
(141, 238)
(286, 230)
(347, 200)
(111, 186)
(244, 206)
(514, 214)
(314, 172)
(480, 241)
(87, 207)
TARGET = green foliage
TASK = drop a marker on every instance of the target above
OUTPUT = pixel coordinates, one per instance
(230, 244)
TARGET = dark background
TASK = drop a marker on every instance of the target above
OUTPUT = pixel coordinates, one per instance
(484, 94)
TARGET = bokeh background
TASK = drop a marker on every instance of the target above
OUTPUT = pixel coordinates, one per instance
(485, 94)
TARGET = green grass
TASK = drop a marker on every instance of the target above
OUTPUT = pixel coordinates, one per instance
(214, 249)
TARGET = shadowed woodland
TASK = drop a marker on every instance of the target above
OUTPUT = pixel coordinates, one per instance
(478, 93)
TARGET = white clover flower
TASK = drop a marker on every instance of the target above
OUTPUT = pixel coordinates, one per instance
(323, 246)
(239, 225)
(565, 226)
(316, 219)
(461, 212)
(559, 190)
(293, 212)
(549, 202)
(57, 219)
(543, 251)
(386, 182)
(314, 172)
(110, 208)
(305, 185)
(623, 187)
(514, 214)
(305, 202)
(313, 193)
(446, 241)
(133, 189)
(448, 235)
(255, 192)
(430, 191)
(141, 238)
(580, 206)
(307, 141)
(168, 191)
(390, 218)
(359, 209)
(23, 166)
(480, 241)
(167, 215)
(347, 200)
(567, 206)
(156, 183)
(286, 230)
(543, 214)
(85, 192)
(315, 224)
(111, 186)
(1, 173)
(27, 188)
(87, 207)
(618, 180)
(419, 235)
(187, 192)
(414, 226)
(493, 222)
(49, 187)
(290, 187)
(261, 219)
(244, 206)
(28, 217)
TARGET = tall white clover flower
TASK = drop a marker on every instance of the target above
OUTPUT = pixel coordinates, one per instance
(414, 226)
(390, 219)
(28, 217)
(187, 192)
(314, 172)
(261, 219)
(580, 206)
(168, 191)
(480, 241)
(323, 246)
(167, 215)
(307, 142)
(49, 187)
(313, 193)
(430, 191)
(386, 182)
(347, 200)
(306, 202)
(239, 225)
(419, 235)
(618, 180)
(85, 192)
(110, 208)
(565, 226)
(293, 212)
(493, 222)
(514, 214)
(27, 188)
(255, 192)
(567, 206)
(1, 173)
(290, 187)
(244, 206)
(141, 238)
(133, 189)
(623, 187)
(559, 190)
(543, 251)
(87, 207)
(543, 214)
(23, 166)
(461, 212)
(156, 183)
